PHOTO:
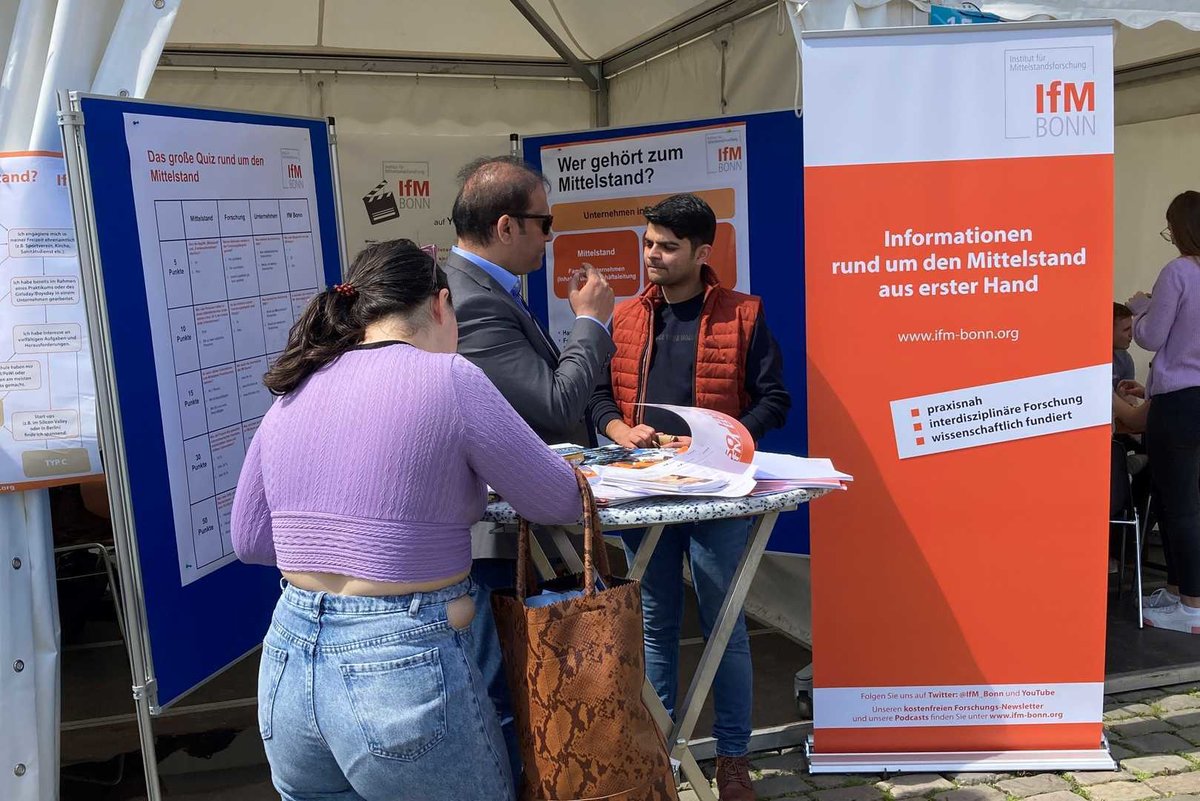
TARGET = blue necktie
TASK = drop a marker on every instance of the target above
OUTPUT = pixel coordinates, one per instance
(516, 294)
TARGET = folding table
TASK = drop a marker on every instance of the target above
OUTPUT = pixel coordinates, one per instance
(654, 514)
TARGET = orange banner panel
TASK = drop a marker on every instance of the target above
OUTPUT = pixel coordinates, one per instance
(629, 212)
(616, 254)
(979, 566)
(724, 255)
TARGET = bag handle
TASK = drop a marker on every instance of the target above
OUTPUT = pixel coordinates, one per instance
(593, 546)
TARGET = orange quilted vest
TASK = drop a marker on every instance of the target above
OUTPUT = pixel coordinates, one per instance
(726, 325)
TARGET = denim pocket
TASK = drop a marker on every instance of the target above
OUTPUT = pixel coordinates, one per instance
(270, 672)
(400, 704)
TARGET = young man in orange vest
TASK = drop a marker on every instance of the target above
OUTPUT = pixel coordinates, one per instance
(688, 341)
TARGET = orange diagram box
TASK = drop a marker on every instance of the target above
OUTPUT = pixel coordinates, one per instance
(724, 255)
(622, 212)
(616, 254)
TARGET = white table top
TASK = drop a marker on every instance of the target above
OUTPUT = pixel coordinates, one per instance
(677, 510)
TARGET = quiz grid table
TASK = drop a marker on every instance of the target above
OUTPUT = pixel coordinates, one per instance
(236, 274)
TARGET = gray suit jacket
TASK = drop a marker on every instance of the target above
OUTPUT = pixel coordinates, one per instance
(549, 388)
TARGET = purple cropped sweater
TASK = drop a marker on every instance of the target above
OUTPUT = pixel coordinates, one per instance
(375, 467)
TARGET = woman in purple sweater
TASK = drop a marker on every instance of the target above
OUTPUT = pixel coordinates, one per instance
(1168, 323)
(361, 486)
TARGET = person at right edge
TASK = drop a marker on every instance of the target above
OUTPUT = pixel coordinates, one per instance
(1168, 323)
(688, 341)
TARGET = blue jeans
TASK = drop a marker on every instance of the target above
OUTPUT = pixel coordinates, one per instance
(489, 575)
(713, 548)
(374, 699)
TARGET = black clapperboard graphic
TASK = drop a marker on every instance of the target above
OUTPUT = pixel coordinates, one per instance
(381, 204)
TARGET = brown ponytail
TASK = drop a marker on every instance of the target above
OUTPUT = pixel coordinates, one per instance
(387, 279)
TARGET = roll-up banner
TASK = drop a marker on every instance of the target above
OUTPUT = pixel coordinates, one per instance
(959, 230)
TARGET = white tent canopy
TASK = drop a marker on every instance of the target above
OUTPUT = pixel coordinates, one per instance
(610, 35)
(591, 32)
(470, 29)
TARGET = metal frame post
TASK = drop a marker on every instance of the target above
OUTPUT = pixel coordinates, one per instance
(108, 416)
(340, 222)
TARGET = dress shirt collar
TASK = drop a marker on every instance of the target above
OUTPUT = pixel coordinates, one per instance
(503, 277)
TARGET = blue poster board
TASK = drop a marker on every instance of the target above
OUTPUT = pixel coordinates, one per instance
(775, 181)
(198, 629)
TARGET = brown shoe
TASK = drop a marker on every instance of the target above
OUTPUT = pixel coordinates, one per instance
(733, 779)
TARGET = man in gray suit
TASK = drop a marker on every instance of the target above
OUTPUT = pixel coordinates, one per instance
(502, 222)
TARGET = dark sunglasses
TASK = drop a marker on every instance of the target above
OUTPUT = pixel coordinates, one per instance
(547, 220)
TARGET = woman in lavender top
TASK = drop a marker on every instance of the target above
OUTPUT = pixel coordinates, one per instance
(1167, 321)
(361, 485)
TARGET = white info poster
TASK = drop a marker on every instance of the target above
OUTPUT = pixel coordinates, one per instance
(599, 190)
(47, 391)
(230, 242)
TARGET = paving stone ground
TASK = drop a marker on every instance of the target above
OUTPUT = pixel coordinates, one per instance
(1153, 736)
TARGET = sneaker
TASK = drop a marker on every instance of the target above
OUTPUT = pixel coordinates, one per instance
(1159, 599)
(733, 779)
(1172, 618)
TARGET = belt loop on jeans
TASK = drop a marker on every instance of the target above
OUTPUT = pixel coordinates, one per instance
(415, 606)
(283, 583)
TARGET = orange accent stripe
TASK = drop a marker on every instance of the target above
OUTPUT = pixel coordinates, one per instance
(23, 486)
(10, 153)
(573, 216)
(1049, 736)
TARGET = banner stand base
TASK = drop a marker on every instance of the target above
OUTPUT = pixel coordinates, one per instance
(959, 761)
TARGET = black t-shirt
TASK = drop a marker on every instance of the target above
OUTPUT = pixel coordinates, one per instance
(673, 362)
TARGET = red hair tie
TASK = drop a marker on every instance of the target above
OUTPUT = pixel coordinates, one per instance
(345, 290)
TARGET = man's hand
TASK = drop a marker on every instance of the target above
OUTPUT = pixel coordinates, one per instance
(642, 436)
(590, 295)
(1139, 296)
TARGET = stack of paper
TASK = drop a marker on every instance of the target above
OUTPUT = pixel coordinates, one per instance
(781, 472)
(719, 462)
(676, 476)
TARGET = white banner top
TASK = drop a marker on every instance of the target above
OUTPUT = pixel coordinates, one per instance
(1018, 90)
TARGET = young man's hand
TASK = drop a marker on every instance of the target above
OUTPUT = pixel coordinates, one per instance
(674, 442)
(642, 436)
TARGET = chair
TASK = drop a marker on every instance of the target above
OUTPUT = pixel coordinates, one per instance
(1123, 512)
(1149, 522)
(106, 557)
